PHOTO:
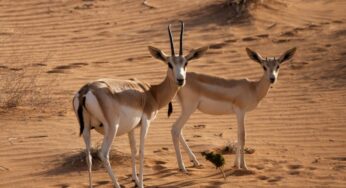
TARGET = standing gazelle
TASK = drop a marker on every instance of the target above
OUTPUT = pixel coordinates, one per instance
(216, 96)
(115, 107)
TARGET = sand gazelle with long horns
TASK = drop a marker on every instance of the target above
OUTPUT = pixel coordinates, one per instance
(115, 107)
(216, 96)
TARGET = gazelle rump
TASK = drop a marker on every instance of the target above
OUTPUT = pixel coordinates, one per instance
(115, 107)
(216, 96)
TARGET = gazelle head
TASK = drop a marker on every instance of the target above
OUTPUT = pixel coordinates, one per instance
(177, 63)
(271, 65)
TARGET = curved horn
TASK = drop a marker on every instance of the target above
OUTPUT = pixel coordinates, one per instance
(171, 39)
(181, 38)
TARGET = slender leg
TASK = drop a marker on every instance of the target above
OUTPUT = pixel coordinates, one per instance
(176, 136)
(236, 161)
(86, 137)
(132, 140)
(144, 131)
(110, 132)
(240, 160)
(189, 151)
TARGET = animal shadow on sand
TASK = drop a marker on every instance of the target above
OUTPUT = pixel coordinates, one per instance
(66, 163)
(214, 174)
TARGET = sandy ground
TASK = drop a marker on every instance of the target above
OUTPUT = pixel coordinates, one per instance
(298, 131)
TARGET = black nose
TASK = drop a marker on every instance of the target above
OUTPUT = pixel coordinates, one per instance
(272, 80)
(180, 81)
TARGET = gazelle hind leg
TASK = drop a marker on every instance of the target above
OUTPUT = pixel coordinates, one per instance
(240, 160)
(144, 130)
(87, 141)
(110, 126)
(132, 141)
(110, 132)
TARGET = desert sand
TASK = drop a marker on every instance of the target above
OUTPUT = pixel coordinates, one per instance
(298, 131)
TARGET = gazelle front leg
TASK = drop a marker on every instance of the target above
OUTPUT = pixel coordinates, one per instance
(144, 131)
(189, 151)
(177, 135)
(132, 140)
(240, 160)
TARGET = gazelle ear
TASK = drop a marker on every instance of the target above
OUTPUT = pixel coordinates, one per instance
(195, 54)
(157, 53)
(254, 56)
(287, 55)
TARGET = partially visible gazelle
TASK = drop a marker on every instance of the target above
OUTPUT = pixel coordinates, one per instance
(116, 107)
(216, 96)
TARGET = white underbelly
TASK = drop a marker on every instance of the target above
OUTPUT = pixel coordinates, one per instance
(215, 107)
(129, 118)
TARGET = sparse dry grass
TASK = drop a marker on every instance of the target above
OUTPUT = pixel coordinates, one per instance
(78, 160)
(240, 6)
(26, 87)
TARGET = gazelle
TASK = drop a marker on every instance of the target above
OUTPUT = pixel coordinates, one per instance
(216, 96)
(115, 107)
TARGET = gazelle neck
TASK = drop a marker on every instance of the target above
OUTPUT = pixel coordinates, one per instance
(164, 92)
(262, 87)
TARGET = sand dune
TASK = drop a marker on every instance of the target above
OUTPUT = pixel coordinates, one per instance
(298, 131)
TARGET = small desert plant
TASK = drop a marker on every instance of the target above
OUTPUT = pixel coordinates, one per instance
(231, 148)
(240, 5)
(217, 159)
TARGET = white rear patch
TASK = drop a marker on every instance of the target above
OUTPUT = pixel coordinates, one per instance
(75, 104)
(93, 107)
(129, 117)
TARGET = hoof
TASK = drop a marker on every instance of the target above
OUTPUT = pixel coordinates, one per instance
(200, 166)
(184, 171)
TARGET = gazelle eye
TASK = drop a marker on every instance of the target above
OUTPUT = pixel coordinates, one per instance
(170, 66)
(264, 68)
(277, 68)
(185, 65)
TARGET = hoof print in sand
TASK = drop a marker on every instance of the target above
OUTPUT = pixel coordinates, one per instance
(3, 67)
(275, 179)
(62, 68)
(338, 158)
(100, 62)
(241, 172)
(288, 34)
(262, 177)
(262, 36)
(280, 40)
(39, 65)
(294, 169)
(159, 165)
(199, 126)
(217, 45)
(248, 39)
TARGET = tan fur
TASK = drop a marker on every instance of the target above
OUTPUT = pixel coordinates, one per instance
(216, 96)
(242, 93)
(122, 105)
(133, 93)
